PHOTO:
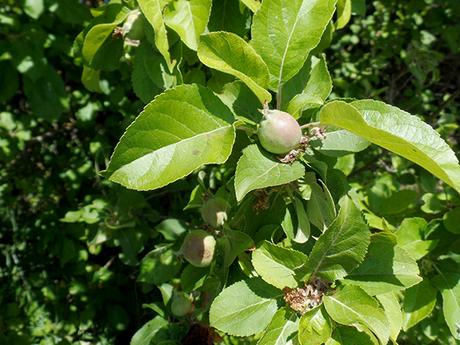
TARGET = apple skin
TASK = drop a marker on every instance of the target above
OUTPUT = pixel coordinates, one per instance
(214, 211)
(181, 305)
(198, 248)
(279, 132)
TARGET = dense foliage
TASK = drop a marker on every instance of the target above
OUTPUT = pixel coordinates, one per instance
(371, 238)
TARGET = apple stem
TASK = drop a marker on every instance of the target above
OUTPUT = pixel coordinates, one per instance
(310, 125)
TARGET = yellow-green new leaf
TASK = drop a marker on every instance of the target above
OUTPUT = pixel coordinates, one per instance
(188, 18)
(231, 54)
(153, 13)
(397, 131)
(253, 5)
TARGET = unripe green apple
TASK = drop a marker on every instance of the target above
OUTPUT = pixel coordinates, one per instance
(279, 132)
(214, 211)
(181, 304)
(198, 248)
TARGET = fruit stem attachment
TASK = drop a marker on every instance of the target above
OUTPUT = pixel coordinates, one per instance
(310, 125)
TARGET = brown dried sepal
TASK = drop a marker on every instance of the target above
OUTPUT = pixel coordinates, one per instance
(262, 200)
(117, 32)
(294, 154)
(305, 298)
(318, 133)
(201, 334)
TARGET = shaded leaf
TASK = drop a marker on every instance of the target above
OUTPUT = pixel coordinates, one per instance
(449, 285)
(147, 332)
(418, 303)
(316, 91)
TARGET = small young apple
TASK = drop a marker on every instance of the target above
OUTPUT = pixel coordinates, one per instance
(198, 248)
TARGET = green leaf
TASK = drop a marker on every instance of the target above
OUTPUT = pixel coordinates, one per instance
(244, 308)
(320, 208)
(410, 236)
(277, 265)
(344, 335)
(231, 54)
(315, 327)
(387, 267)
(386, 198)
(316, 91)
(392, 310)
(144, 87)
(351, 306)
(179, 131)
(46, 95)
(90, 78)
(418, 303)
(253, 5)
(34, 8)
(303, 223)
(451, 220)
(101, 33)
(9, 81)
(341, 142)
(148, 331)
(284, 33)
(343, 13)
(158, 266)
(449, 285)
(281, 328)
(238, 97)
(171, 229)
(236, 22)
(397, 131)
(188, 19)
(192, 278)
(342, 246)
(152, 11)
(236, 242)
(257, 169)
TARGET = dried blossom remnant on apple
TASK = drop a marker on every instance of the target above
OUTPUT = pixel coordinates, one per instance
(181, 304)
(214, 211)
(198, 248)
(305, 298)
